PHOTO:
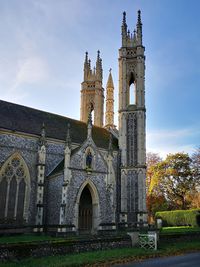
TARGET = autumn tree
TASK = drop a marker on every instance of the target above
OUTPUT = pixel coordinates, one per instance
(196, 161)
(195, 196)
(175, 179)
(155, 202)
(151, 159)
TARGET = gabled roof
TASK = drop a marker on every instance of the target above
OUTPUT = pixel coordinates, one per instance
(58, 168)
(23, 119)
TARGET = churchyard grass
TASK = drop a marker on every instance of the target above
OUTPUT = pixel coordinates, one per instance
(100, 258)
(25, 238)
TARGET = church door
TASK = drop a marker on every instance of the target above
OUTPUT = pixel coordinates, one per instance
(85, 211)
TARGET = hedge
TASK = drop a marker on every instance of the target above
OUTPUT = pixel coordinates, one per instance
(179, 217)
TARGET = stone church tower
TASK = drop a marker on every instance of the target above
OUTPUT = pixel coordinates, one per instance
(132, 124)
(92, 92)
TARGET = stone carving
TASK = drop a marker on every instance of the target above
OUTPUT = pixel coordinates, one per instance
(89, 159)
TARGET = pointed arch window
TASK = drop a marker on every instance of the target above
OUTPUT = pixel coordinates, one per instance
(14, 190)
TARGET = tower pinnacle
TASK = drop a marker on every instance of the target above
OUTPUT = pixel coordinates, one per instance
(99, 71)
(124, 19)
(124, 29)
(139, 17)
(139, 28)
(86, 57)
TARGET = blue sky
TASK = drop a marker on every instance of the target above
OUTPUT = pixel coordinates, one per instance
(42, 49)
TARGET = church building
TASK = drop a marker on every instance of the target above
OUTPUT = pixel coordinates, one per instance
(64, 176)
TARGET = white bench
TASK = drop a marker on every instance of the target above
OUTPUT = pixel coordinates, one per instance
(148, 241)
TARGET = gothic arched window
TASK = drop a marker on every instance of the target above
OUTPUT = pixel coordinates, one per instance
(14, 190)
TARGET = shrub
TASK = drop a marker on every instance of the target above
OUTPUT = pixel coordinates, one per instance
(179, 217)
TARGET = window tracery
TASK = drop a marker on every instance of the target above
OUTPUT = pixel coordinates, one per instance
(14, 190)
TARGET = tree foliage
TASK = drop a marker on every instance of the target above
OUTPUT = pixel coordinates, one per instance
(172, 183)
(178, 180)
(152, 159)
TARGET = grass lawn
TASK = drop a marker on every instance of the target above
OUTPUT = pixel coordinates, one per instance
(25, 238)
(101, 258)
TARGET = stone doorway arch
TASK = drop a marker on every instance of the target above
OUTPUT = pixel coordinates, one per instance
(87, 208)
(85, 211)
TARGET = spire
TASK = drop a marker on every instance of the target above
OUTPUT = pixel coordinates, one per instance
(124, 29)
(109, 123)
(139, 28)
(42, 140)
(68, 138)
(110, 80)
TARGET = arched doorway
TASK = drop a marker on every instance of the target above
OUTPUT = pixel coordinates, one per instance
(85, 211)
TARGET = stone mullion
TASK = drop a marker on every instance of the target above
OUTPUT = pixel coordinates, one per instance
(16, 198)
(7, 197)
(26, 195)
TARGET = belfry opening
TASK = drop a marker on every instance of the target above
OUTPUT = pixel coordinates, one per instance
(132, 90)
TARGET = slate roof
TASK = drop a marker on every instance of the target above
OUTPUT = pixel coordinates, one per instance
(24, 119)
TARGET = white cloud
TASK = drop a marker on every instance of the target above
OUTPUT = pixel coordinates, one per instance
(163, 150)
(178, 133)
(171, 141)
(31, 70)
